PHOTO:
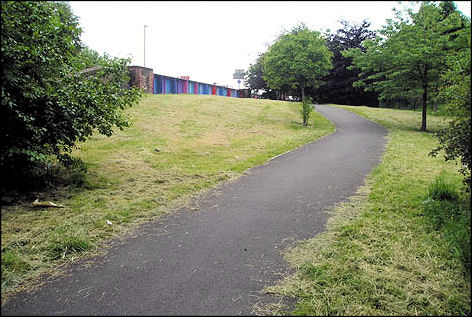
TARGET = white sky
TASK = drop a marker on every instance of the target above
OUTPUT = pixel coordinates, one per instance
(208, 40)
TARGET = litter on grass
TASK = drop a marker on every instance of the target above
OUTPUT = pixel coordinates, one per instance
(38, 203)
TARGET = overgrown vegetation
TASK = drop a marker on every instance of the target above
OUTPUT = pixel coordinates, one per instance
(306, 109)
(454, 93)
(446, 213)
(400, 247)
(48, 103)
(163, 159)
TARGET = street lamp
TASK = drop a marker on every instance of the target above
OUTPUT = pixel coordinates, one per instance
(145, 26)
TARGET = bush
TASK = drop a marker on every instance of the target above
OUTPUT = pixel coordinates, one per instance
(306, 109)
(454, 93)
(48, 102)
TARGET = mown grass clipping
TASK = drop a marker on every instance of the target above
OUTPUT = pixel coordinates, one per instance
(401, 246)
(177, 147)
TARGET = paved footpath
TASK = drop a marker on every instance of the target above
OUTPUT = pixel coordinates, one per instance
(215, 260)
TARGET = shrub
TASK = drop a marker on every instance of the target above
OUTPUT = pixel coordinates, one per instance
(48, 102)
(306, 109)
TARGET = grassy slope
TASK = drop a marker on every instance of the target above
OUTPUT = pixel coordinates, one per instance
(202, 140)
(380, 255)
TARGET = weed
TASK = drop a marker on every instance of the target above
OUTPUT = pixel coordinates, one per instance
(441, 189)
(64, 246)
(448, 214)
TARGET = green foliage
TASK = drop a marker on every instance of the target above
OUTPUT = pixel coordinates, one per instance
(48, 103)
(449, 214)
(297, 59)
(382, 254)
(441, 189)
(128, 182)
(454, 93)
(88, 58)
(406, 60)
(11, 261)
(63, 246)
(306, 109)
(254, 78)
(338, 86)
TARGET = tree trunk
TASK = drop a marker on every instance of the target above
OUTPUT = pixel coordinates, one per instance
(305, 115)
(425, 107)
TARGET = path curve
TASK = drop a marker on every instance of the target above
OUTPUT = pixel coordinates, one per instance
(214, 261)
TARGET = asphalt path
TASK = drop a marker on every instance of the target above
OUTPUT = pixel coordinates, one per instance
(217, 259)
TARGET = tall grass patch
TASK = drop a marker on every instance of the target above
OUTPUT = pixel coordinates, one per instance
(392, 249)
(177, 147)
(447, 212)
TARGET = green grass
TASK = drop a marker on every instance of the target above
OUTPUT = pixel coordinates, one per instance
(392, 249)
(177, 147)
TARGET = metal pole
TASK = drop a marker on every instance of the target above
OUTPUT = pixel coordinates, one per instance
(145, 26)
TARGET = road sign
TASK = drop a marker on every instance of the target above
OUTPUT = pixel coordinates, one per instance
(238, 74)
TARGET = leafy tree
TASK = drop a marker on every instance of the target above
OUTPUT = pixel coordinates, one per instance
(253, 76)
(407, 59)
(48, 103)
(338, 86)
(298, 59)
(255, 81)
(454, 93)
(88, 58)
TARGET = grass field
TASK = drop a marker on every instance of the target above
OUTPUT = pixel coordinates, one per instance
(396, 248)
(177, 147)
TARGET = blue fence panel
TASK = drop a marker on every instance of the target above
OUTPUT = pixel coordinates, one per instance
(172, 85)
(179, 86)
(156, 84)
(167, 85)
(190, 87)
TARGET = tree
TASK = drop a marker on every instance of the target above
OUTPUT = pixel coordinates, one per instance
(298, 59)
(253, 76)
(89, 58)
(255, 81)
(454, 93)
(338, 86)
(407, 60)
(48, 103)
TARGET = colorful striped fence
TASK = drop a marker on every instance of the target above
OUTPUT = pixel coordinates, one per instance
(162, 84)
(172, 85)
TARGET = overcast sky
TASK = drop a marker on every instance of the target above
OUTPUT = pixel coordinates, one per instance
(208, 40)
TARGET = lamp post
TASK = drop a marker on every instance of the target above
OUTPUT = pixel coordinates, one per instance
(145, 26)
